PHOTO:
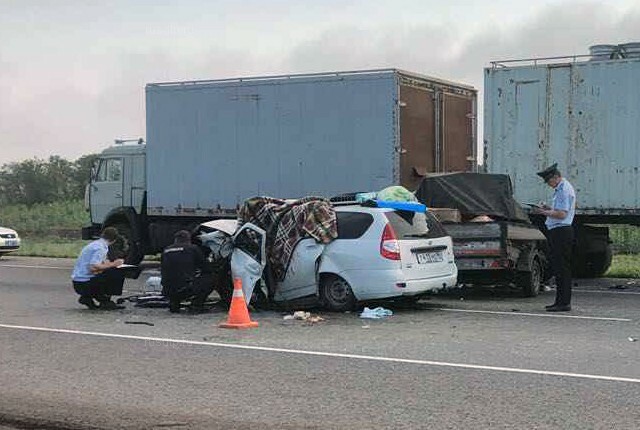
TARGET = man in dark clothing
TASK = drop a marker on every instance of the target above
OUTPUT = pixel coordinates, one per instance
(560, 234)
(183, 273)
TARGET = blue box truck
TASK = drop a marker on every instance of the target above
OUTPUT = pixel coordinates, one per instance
(212, 144)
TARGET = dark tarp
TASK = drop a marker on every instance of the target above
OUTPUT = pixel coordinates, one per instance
(473, 194)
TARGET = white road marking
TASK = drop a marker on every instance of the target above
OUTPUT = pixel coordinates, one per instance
(19, 266)
(607, 292)
(331, 354)
(549, 315)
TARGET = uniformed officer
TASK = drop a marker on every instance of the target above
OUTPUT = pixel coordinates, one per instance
(95, 277)
(184, 274)
(560, 234)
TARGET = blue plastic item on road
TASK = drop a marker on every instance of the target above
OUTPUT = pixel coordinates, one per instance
(376, 313)
(402, 206)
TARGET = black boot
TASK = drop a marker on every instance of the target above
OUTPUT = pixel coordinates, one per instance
(88, 302)
(108, 305)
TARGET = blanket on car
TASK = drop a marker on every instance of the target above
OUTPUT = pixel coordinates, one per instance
(288, 222)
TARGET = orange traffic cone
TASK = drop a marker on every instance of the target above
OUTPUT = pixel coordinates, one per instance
(238, 312)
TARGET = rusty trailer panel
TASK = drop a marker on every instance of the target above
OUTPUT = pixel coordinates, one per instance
(584, 115)
(417, 134)
(437, 128)
(458, 148)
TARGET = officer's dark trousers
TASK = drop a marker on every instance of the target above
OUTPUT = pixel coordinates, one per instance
(561, 241)
(102, 286)
(197, 290)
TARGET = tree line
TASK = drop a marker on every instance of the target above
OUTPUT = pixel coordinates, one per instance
(38, 180)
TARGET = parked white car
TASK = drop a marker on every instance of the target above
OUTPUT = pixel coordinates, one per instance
(9, 241)
(379, 254)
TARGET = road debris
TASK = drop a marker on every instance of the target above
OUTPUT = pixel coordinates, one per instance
(376, 313)
(303, 316)
(140, 323)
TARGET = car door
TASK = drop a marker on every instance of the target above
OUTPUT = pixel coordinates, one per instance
(249, 257)
(106, 188)
(301, 277)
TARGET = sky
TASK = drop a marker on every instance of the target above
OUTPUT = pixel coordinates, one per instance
(72, 72)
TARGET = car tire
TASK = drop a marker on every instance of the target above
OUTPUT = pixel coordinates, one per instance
(531, 281)
(336, 294)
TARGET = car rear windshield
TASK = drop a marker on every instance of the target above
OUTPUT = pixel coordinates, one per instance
(352, 225)
(415, 225)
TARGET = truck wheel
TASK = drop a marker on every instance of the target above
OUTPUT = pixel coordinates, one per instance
(336, 294)
(594, 264)
(133, 256)
(531, 281)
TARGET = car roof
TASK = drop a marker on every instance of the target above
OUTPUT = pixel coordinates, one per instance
(361, 209)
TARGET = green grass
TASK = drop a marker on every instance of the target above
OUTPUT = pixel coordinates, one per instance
(50, 247)
(47, 230)
(66, 217)
(626, 238)
(624, 266)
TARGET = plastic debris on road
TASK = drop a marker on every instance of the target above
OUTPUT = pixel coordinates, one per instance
(303, 316)
(153, 284)
(376, 313)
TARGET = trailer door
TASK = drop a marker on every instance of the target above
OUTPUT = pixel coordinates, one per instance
(417, 135)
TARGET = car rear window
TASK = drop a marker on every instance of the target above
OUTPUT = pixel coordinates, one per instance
(352, 225)
(415, 225)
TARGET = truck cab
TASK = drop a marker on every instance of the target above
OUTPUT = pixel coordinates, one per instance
(115, 195)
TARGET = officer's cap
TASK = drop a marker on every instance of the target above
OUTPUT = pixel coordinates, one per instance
(549, 172)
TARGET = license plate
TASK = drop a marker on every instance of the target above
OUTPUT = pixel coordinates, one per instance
(429, 257)
(11, 242)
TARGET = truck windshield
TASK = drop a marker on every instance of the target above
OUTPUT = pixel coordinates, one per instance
(414, 225)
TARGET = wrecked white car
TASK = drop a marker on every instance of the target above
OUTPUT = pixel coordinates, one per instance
(379, 253)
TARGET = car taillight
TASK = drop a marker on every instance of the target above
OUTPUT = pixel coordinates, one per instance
(389, 245)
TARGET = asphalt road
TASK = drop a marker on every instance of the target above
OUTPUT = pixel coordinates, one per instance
(470, 359)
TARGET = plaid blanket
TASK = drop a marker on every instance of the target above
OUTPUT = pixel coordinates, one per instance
(286, 223)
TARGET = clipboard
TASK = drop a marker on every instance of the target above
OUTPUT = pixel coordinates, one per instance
(534, 205)
(129, 270)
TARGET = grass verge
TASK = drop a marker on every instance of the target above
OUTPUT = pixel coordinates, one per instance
(624, 266)
(50, 247)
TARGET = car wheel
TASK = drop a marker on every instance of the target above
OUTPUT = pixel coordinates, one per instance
(336, 294)
(531, 281)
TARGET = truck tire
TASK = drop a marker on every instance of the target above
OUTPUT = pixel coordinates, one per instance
(134, 256)
(336, 294)
(592, 252)
(531, 281)
(593, 265)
